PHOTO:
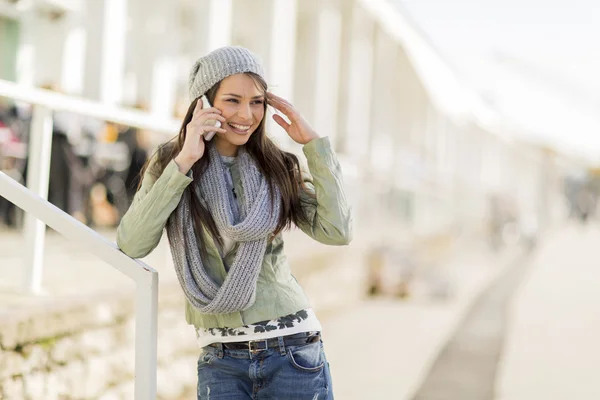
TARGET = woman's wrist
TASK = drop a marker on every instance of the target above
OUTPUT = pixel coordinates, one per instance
(184, 163)
(312, 137)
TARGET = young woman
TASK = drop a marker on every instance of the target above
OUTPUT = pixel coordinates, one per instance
(225, 203)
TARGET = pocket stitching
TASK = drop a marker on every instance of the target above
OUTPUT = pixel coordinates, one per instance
(290, 357)
(207, 359)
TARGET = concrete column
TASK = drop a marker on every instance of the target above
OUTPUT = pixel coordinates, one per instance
(437, 140)
(9, 31)
(383, 104)
(268, 28)
(114, 37)
(356, 75)
(106, 38)
(306, 72)
(211, 25)
(547, 191)
(29, 47)
(94, 19)
(139, 61)
(442, 146)
(451, 147)
(472, 152)
(328, 62)
(431, 122)
(490, 163)
(282, 57)
(415, 101)
(74, 52)
(407, 91)
(40, 48)
(409, 121)
(474, 168)
(50, 48)
(203, 25)
(317, 66)
(219, 27)
(153, 69)
(40, 147)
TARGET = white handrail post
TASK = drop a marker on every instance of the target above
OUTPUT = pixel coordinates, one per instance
(38, 174)
(146, 325)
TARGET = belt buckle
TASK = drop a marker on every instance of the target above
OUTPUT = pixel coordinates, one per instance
(251, 351)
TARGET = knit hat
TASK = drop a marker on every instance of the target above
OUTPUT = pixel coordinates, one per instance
(218, 65)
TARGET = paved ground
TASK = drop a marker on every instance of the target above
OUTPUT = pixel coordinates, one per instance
(552, 349)
(466, 368)
(541, 320)
(531, 335)
(384, 348)
(417, 328)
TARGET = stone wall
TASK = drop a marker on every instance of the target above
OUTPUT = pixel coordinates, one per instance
(84, 348)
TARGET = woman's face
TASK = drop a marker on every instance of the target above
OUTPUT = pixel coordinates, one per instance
(242, 105)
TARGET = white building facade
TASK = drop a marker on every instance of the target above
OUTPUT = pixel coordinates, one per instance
(420, 152)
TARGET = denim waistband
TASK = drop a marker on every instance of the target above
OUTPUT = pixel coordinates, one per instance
(248, 349)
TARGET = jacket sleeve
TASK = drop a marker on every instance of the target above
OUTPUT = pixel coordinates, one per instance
(323, 198)
(140, 229)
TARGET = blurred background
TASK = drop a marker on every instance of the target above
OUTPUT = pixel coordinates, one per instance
(468, 133)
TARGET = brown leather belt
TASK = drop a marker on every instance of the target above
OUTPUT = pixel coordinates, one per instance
(297, 339)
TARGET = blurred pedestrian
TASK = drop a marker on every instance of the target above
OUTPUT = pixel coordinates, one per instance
(136, 142)
(70, 179)
(13, 156)
(225, 203)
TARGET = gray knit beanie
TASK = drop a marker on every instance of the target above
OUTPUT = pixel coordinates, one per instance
(218, 65)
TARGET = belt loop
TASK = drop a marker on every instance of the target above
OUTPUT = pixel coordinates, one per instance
(281, 345)
(220, 352)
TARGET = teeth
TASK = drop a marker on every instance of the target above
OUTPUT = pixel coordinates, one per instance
(241, 127)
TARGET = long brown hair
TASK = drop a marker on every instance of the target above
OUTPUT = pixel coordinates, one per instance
(280, 168)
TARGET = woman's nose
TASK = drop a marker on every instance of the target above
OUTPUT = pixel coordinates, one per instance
(245, 111)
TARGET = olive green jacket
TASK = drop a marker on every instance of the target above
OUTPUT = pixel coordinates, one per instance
(278, 293)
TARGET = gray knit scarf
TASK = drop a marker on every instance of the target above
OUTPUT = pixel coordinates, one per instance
(258, 219)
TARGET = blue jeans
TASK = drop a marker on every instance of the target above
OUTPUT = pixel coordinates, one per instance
(290, 373)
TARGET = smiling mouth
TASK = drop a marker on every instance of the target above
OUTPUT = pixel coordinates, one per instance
(239, 128)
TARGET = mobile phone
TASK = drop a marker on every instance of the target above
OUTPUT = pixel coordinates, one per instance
(206, 104)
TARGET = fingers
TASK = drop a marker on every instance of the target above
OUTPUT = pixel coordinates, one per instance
(282, 122)
(282, 105)
(202, 127)
(211, 110)
(198, 110)
(209, 116)
(198, 107)
(206, 115)
(278, 102)
(212, 128)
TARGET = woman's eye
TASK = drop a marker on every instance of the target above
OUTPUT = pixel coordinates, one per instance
(236, 101)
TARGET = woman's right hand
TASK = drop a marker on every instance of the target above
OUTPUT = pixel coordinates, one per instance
(194, 146)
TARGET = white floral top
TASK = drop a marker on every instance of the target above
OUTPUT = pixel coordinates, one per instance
(302, 321)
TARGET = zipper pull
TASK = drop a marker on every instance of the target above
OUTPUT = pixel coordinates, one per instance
(234, 194)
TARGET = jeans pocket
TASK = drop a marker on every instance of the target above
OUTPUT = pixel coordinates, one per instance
(206, 358)
(307, 358)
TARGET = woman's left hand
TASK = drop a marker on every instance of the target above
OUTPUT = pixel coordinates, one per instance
(299, 130)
